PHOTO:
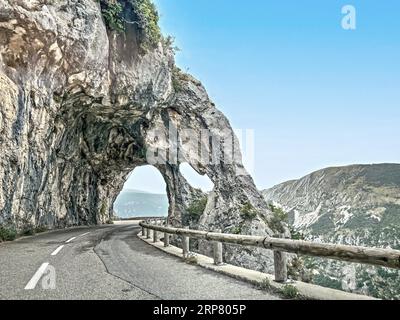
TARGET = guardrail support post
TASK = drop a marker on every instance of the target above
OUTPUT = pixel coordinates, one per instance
(185, 244)
(155, 233)
(166, 238)
(280, 266)
(143, 232)
(218, 260)
(217, 251)
(148, 233)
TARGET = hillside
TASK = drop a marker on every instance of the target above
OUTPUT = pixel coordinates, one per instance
(136, 203)
(356, 205)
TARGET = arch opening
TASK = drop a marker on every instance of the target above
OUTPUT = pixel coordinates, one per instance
(144, 194)
(196, 180)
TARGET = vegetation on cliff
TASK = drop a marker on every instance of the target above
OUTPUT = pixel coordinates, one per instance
(196, 208)
(145, 15)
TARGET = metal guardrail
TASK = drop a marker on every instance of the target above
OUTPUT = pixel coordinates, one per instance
(373, 256)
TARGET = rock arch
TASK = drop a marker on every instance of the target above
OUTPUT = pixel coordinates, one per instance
(79, 108)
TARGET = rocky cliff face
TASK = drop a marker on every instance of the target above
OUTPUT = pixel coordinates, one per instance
(82, 105)
(356, 205)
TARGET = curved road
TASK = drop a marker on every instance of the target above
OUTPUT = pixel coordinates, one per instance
(107, 262)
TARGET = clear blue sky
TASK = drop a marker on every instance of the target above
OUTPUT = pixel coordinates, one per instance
(315, 94)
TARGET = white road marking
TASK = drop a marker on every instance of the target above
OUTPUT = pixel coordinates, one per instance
(84, 234)
(69, 240)
(81, 235)
(36, 277)
(57, 250)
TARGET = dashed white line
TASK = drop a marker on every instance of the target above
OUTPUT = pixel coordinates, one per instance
(84, 234)
(39, 273)
(69, 240)
(57, 250)
(36, 277)
(72, 239)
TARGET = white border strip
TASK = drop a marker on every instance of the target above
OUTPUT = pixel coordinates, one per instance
(36, 277)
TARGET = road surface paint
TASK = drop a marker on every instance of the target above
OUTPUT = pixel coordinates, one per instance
(57, 250)
(72, 239)
(84, 234)
(36, 277)
(69, 240)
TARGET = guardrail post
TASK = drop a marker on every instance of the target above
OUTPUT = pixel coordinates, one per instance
(218, 260)
(185, 244)
(166, 238)
(155, 233)
(217, 250)
(143, 231)
(148, 236)
(280, 266)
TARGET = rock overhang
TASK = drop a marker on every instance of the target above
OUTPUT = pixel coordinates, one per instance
(79, 108)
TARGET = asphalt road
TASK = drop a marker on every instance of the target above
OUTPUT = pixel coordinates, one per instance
(107, 262)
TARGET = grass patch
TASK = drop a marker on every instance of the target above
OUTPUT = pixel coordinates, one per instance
(290, 292)
(266, 285)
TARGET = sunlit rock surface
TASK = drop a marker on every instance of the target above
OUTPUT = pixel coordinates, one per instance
(82, 106)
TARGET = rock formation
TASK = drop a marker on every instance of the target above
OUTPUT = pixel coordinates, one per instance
(82, 105)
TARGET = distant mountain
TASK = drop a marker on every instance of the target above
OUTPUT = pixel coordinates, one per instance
(356, 205)
(136, 203)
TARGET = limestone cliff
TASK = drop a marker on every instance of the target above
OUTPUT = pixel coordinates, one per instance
(82, 105)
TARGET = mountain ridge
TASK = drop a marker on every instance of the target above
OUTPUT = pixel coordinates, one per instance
(355, 205)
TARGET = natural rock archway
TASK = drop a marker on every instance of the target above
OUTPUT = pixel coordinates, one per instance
(82, 106)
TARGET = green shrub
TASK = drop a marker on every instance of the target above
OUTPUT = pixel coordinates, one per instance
(146, 19)
(7, 234)
(236, 230)
(168, 44)
(290, 292)
(196, 208)
(112, 13)
(178, 77)
(279, 213)
(147, 15)
(278, 218)
(296, 235)
(248, 212)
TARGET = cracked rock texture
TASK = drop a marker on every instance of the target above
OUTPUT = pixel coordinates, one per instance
(79, 108)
